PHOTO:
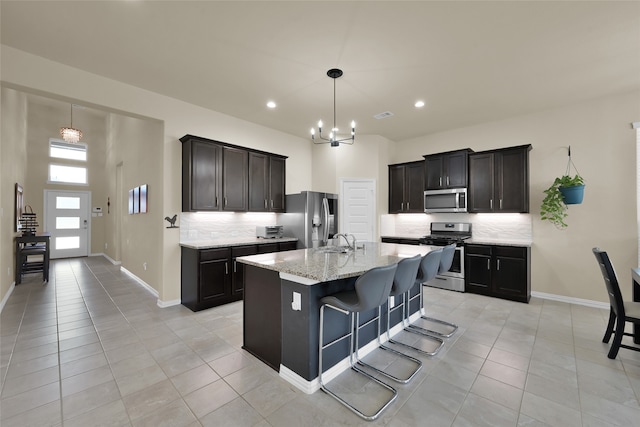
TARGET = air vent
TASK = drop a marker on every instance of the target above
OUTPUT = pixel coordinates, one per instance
(383, 115)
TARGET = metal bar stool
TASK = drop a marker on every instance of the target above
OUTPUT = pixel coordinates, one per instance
(445, 264)
(371, 291)
(429, 264)
(404, 278)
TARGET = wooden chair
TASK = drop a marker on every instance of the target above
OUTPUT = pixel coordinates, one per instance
(621, 311)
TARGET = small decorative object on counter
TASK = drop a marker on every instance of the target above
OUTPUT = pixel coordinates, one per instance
(566, 190)
(172, 221)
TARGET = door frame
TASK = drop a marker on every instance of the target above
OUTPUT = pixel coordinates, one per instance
(343, 204)
(89, 213)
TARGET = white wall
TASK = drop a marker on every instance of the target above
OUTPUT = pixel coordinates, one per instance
(30, 73)
(603, 149)
(13, 161)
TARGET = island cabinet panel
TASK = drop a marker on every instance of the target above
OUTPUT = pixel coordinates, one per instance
(498, 271)
(235, 179)
(499, 180)
(446, 170)
(266, 183)
(406, 187)
(262, 320)
(287, 246)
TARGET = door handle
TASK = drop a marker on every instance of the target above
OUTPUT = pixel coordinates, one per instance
(85, 224)
(226, 268)
(488, 264)
(498, 265)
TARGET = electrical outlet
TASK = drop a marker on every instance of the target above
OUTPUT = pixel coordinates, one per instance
(144, 265)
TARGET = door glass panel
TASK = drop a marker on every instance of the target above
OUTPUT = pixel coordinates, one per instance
(67, 223)
(72, 242)
(67, 202)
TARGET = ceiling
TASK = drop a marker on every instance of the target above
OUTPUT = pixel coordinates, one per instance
(471, 62)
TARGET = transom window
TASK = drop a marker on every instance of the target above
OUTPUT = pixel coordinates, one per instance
(64, 150)
(67, 173)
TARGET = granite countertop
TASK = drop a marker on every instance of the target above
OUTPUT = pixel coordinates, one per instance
(237, 241)
(315, 265)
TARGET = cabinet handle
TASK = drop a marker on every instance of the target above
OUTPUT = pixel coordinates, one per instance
(447, 180)
(234, 266)
(408, 209)
(226, 268)
(225, 202)
(401, 206)
(488, 264)
(500, 204)
(440, 184)
(271, 204)
(265, 203)
(498, 265)
(216, 205)
(491, 203)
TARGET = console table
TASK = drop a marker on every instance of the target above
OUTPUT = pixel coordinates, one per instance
(26, 246)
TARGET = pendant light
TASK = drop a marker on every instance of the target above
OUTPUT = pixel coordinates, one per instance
(70, 134)
(333, 139)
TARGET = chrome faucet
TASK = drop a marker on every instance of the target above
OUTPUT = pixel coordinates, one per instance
(352, 245)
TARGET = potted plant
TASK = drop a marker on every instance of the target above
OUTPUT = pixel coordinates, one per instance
(554, 204)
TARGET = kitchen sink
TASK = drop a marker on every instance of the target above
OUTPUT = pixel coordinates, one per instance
(335, 249)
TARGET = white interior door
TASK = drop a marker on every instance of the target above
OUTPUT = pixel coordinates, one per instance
(68, 219)
(358, 211)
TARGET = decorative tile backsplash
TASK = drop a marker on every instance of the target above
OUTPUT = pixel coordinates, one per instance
(222, 225)
(507, 227)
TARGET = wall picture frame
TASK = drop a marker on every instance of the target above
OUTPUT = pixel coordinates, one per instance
(19, 206)
(143, 198)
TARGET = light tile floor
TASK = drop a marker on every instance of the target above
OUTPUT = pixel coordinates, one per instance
(92, 348)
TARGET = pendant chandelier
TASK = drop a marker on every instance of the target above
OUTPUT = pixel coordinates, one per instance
(71, 134)
(333, 138)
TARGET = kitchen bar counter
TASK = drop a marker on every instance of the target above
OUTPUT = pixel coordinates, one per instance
(231, 241)
(309, 266)
(281, 308)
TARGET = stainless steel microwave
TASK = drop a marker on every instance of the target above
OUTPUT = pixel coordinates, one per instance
(446, 200)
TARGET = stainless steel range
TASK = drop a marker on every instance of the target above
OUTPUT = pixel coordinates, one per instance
(443, 234)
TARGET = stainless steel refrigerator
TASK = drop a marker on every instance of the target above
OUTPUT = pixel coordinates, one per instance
(311, 217)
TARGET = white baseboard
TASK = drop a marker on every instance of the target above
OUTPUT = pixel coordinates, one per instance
(7, 295)
(170, 303)
(111, 260)
(571, 300)
(140, 281)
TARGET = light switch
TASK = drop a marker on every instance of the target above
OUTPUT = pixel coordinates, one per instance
(296, 304)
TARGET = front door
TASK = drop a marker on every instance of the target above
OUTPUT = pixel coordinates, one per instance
(68, 219)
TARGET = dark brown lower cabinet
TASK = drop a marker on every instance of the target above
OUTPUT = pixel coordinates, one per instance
(205, 278)
(237, 282)
(212, 277)
(498, 271)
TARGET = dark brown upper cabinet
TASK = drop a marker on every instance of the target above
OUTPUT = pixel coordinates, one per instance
(201, 176)
(217, 176)
(446, 170)
(235, 179)
(266, 183)
(406, 187)
(499, 180)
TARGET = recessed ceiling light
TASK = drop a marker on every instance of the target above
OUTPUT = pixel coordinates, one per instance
(271, 104)
(419, 104)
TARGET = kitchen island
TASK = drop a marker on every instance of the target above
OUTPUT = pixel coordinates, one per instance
(282, 292)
